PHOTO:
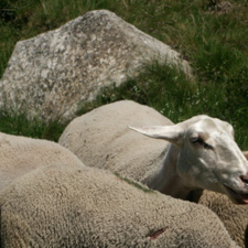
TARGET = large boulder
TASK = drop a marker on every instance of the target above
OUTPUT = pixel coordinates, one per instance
(52, 73)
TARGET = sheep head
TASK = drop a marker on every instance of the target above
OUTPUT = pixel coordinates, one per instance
(208, 156)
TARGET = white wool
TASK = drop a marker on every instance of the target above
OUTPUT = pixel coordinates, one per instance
(20, 155)
(75, 206)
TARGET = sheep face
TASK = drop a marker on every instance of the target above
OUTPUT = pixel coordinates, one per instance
(208, 157)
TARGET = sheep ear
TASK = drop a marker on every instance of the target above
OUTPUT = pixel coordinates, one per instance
(173, 134)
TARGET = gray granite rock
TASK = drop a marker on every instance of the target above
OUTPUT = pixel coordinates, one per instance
(52, 73)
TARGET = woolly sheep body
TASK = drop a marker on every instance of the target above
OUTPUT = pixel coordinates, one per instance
(75, 206)
(234, 217)
(115, 142)
(180, 158)
(82, 135)
(19, 155)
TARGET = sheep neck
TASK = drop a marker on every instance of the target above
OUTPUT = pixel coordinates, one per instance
(167, 180)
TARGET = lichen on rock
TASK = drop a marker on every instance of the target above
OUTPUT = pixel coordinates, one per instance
(51, 74)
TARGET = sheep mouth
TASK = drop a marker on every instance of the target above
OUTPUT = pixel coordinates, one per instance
(237, 197)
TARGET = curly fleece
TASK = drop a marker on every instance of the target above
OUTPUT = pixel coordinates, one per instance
(77, 206)
(20, 155)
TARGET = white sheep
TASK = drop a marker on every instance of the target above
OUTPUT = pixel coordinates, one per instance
(234, 217)
(201, 152)
(19, 155)
(75, 206)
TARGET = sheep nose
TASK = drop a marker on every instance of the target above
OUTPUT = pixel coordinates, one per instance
(244, 178)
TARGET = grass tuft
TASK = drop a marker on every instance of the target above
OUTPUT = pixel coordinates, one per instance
(18, 124)
(135, 184)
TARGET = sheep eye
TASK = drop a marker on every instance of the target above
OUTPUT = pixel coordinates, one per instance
(194, 140)
(197, 140)
(207, 146)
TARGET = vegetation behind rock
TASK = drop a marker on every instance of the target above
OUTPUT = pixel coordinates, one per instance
(211, 34)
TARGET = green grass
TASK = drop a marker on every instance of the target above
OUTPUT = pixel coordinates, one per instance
(17, 124)
(178, 98)
(135, 184)
(214, 42)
